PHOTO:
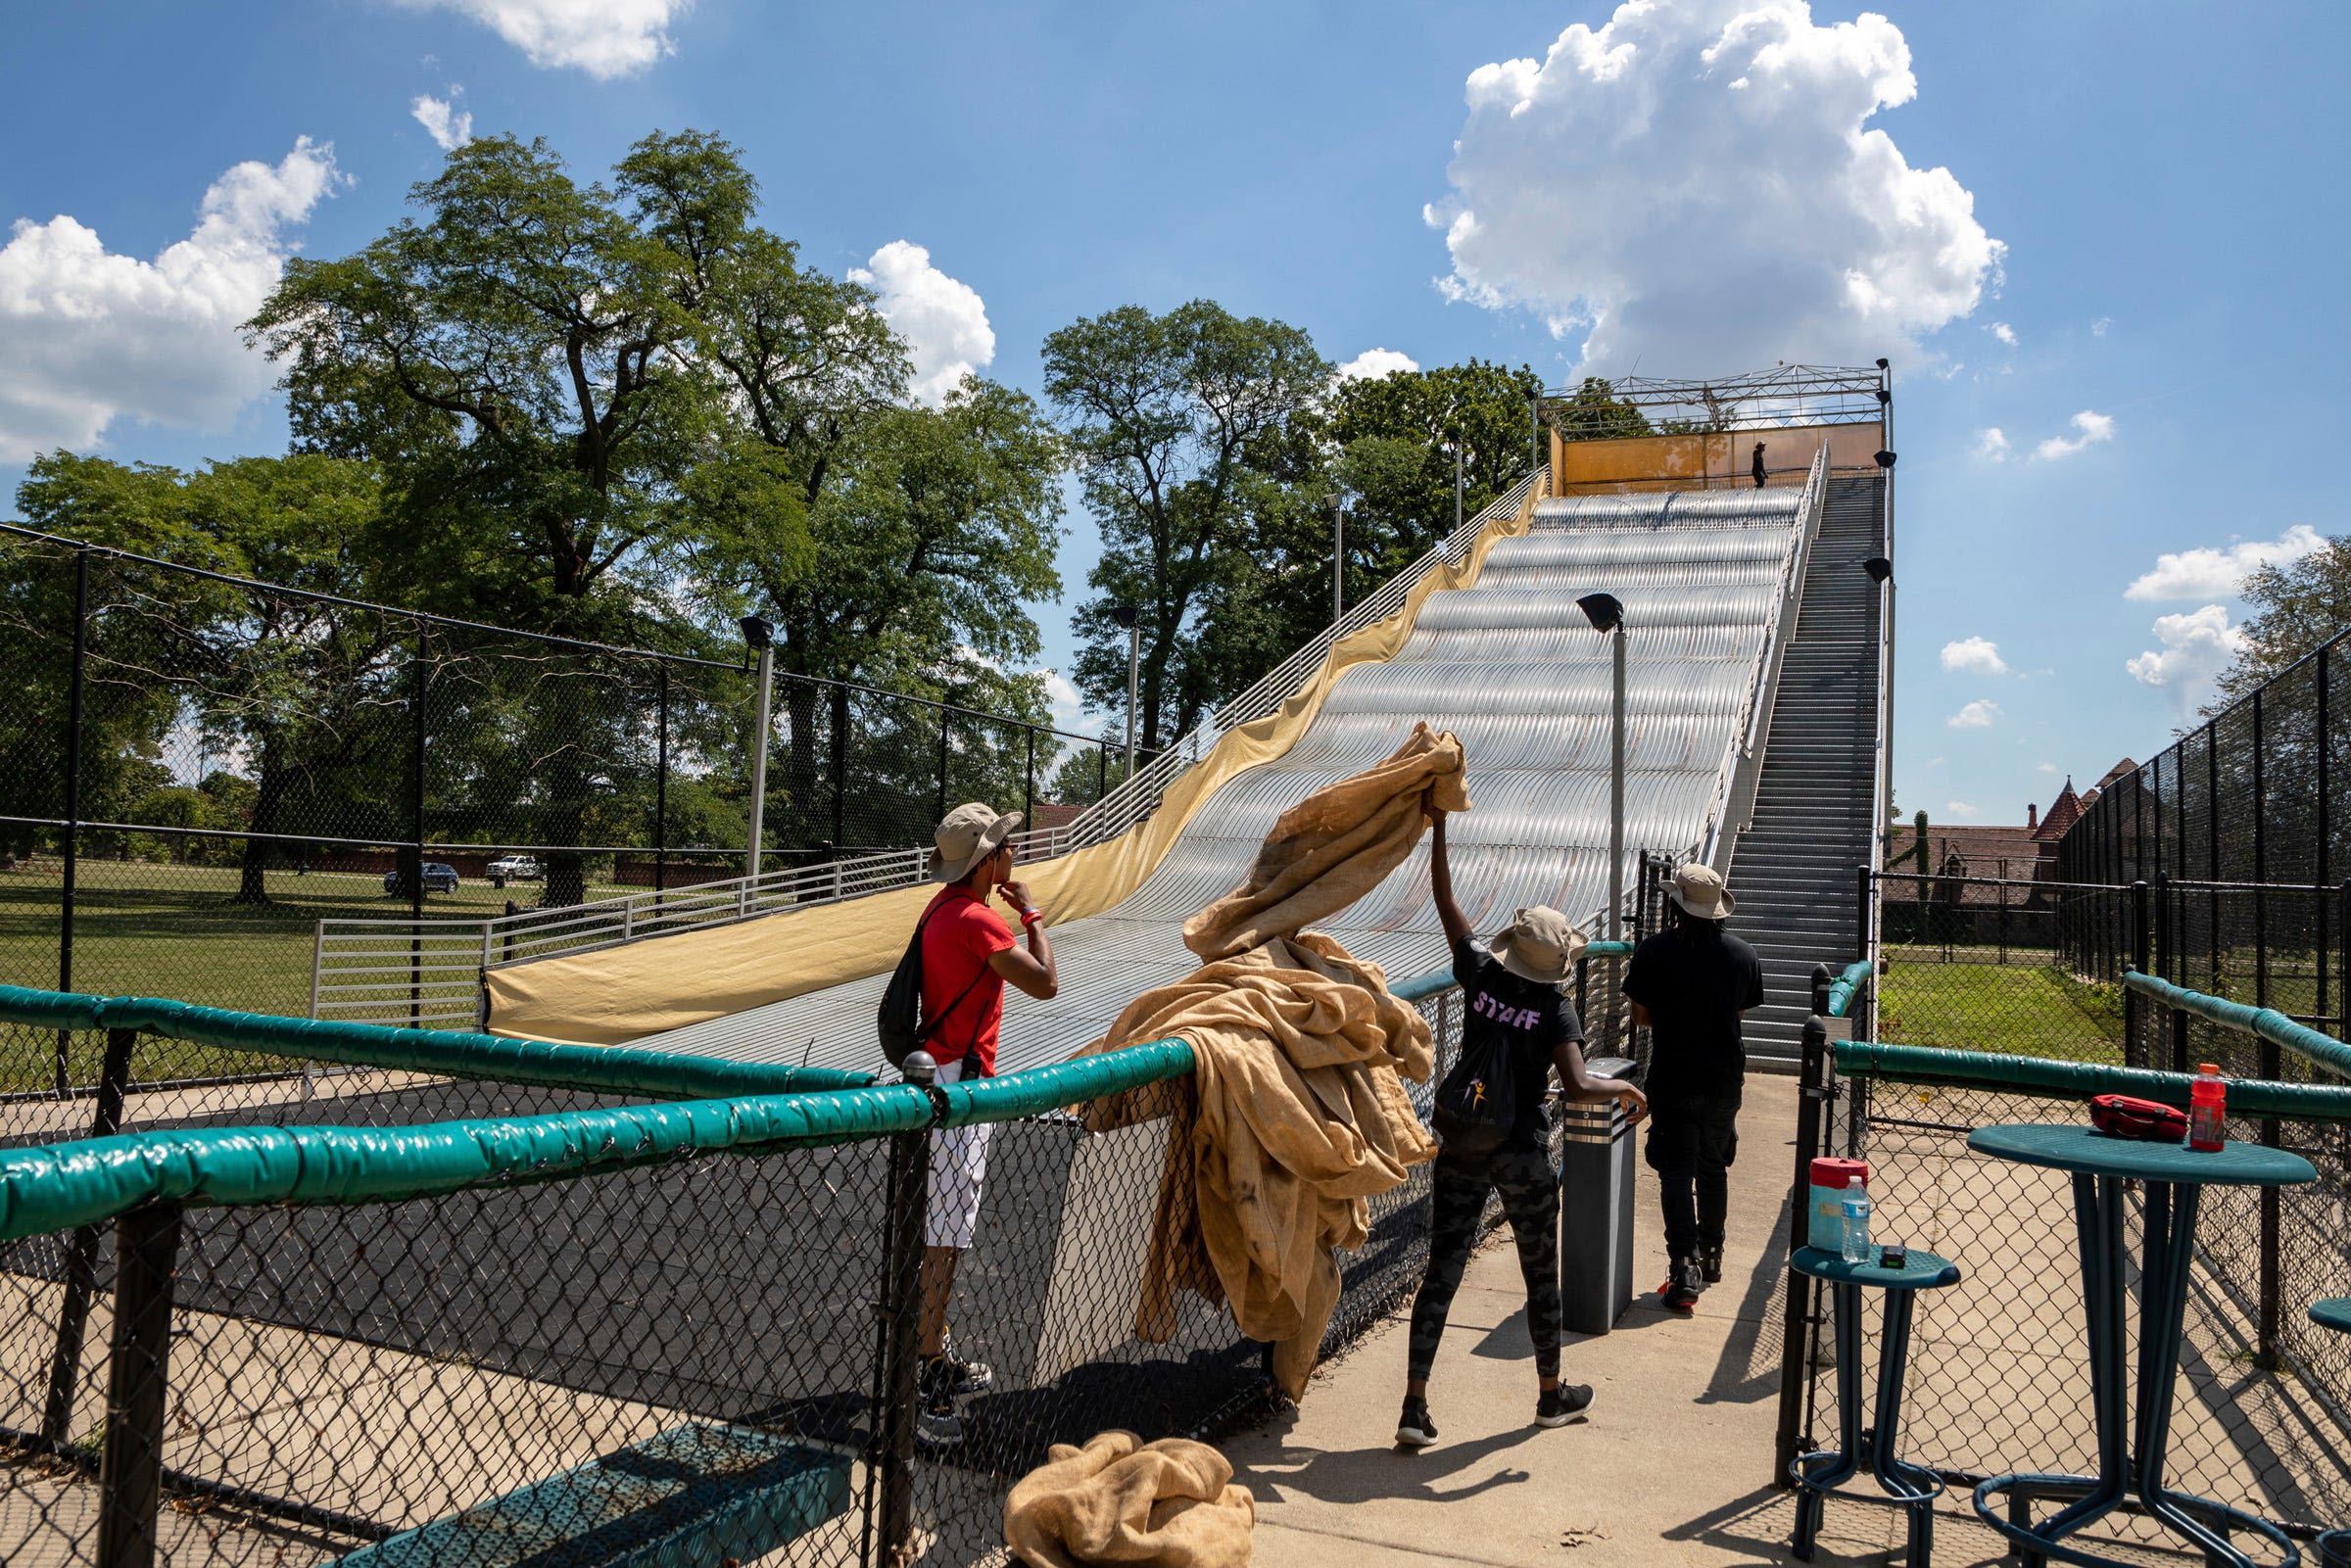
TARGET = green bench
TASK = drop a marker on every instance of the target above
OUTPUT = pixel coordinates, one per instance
(690, 1498)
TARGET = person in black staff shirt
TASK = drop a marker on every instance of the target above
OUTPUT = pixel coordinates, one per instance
(1689, 985)
(1518, 992)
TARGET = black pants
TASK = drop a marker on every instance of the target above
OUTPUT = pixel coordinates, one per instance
(1529, 1186)
(1692, 1142)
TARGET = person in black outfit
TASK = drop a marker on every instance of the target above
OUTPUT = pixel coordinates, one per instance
(1511, 989)
(1758, 468)
(1689, 985)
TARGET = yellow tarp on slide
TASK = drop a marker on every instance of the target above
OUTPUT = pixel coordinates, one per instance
(618, 994)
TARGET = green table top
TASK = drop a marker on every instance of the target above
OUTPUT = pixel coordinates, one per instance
(2334, 1313)
(2068, 1146)
(1924, 1271)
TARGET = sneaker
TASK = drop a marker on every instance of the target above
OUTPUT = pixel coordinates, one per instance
(962, 1376)
(1682, 1287)
(1562, 1405)
(1413, 1428)
(1709, 1262)
(938, 1427)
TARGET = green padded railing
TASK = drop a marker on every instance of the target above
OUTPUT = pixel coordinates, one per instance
(63, 1185)
(2265, 1022)
(610, 1069)
(1424, 986)
(1845, 987)
(2080, 1080)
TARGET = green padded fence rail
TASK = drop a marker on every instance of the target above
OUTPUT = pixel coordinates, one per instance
(612, 1068)
(2265, 1022)
(58, 1186)
(1845, 987)
(1421, 987)
(2080, 1080)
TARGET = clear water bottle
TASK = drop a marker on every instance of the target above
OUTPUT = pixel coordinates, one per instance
(1857, 1222)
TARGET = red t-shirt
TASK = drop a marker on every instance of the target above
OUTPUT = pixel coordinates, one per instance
(960, 935)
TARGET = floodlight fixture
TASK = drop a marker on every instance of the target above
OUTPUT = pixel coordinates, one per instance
(1124, 616)
(1878, 568)
(757, 632)
(1885, 459)
(1604, 611)
(1884, 365)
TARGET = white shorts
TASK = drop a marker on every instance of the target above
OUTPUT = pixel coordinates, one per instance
(958, 1170)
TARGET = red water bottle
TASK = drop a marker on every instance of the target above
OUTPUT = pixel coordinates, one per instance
(2207, 1103)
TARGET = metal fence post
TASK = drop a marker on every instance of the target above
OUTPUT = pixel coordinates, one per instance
(901, 1316)
(943, 766)
(1029, 788)
(420, 736)
(72, 845)
(81, 1258)
(840, 768)
(2134, 1005)
(131, 1464)
(661, 792)
(1796, 1362)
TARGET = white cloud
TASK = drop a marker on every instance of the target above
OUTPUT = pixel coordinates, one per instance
(1978, 654)
(1373, 363)
(2097, 328)
(1991, 444)
(944, 322)
(1696, 186)
(2004, 332)
(2216, 573)
(2048, 768)
(2197, 647)
(2094, 428)
(94, 336)
(449, 125)
(1069, 708)
(1977, 715)
(1962, 810)
(606, 38)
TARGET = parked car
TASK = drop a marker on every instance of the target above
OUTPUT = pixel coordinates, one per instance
(438, 879)
(515, 869)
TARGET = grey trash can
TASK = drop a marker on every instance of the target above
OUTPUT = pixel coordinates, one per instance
(1596, 1208)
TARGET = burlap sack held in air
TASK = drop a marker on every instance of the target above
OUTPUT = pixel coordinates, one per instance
(1333, 848)
(1295, 1115)
(1119, 1499)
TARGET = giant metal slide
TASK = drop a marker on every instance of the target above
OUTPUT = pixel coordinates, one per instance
(1714, 584)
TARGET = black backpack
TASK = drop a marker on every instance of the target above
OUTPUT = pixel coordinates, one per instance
(902, 1003)
(1478, 1100)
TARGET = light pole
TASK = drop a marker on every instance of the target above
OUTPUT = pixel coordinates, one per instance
(1127, 616)
(1534, 408)
(1605, 612)
(1338, 558)
(1457, 482)
(757, 634)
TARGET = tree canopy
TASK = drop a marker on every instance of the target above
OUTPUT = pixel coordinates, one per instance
(2296, 609)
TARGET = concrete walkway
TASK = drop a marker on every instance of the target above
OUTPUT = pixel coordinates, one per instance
(1671, 1466)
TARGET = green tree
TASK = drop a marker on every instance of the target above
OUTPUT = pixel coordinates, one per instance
(514, 364)
(294, 686)
(1175, 421)
(2296, 608)
(1596, 413)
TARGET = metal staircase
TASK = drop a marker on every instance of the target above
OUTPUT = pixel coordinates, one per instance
(1792, 868)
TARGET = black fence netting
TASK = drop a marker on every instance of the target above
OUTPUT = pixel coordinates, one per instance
(196, 770)
(1998, 1375)
(702, 1346)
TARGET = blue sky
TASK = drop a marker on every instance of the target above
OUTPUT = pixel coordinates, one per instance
(2130, 270)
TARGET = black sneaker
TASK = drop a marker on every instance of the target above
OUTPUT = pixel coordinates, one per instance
(1709, 1263)
(936, 1425)
(1562, 1405)
(1413, 1428)
(960, 1376)
(1682, 1287)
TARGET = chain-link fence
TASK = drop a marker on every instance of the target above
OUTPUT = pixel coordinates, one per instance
(195, 770)
(1998, 1375)
(591, 1319)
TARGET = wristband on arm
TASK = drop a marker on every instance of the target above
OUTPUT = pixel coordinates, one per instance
(1032, 915)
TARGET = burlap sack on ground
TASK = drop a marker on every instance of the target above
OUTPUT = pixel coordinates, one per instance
(1165, 1504)
(1295, 1117)
(1333, 848)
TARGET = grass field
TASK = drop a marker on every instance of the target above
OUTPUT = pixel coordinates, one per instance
(2015, 1010)
(143, 929)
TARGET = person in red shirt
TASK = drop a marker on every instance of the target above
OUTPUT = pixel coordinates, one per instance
(969, 954)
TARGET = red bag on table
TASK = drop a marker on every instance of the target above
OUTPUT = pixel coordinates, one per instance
(2124, 1116)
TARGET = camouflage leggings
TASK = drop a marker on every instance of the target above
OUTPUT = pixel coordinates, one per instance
(1529, 1186)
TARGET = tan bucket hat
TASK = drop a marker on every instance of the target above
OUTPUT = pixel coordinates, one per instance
(972, 833)
(1540, 945)
(1699, 891)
